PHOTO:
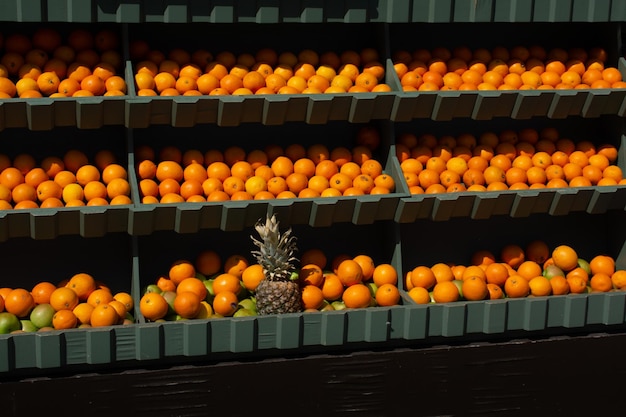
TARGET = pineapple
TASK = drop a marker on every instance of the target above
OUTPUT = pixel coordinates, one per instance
(279, 292)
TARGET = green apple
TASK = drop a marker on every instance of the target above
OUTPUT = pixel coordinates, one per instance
(244, 312)
(41, 315)
(459, 285)
(372, 287)
(584, 265)
(552, 271)
(338, 305)
(9, 323)
(28, 326)
(208, 283)
(153, 288)
(169, 297)
(248, 303)
(326, 306)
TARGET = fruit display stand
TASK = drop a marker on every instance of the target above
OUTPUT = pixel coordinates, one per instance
(511, 356)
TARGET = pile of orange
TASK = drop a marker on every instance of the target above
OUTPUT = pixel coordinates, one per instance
(200, 72)
(532, 270)
(294, 171)
(509, 160)
(346, 282)
(500, 68)
(78, 301)
(207, 286)
(46, 64)
(68, 180)
(210, 286)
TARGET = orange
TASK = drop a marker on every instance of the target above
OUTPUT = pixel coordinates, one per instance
(282, 166)
(314, 256)
(419, 295)
(529, 269)
(166, 284)
(82, 284)
(153, 306)
(169, 169)
(181, 269)
(497, 273)
(601, 282)
(619, 279)
(537, 251)
(513, 255)
(252, 276)
(83, 313)
(349, 272)
(387, 295)
(332, 288)
(577, 284)
(20, 302)
(516, 286)
(565, 257)
(11, 177)
(385, 274)
(602, 264)
(48, 82)
(225, 303)
(100, 296)
(367, 265)
(483, 257)
(311, 274)
(540, 286)
(357, 296)
(208, 262)
(24, 192)
(64, 319)
(104, 315)
(235, 265)
(559, 285)
(41, 292)
(63, 298)
(495, 291)
(192, 284)
(187, 304)
(423, 276)
(126, 299)
(312, 297)
(445, 292)
(117, 187)
(474, 288)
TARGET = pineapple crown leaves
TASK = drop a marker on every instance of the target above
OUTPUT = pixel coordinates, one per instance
(276, 250)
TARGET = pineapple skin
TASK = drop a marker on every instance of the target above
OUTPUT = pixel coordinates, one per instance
(277, 293)
(278, 297)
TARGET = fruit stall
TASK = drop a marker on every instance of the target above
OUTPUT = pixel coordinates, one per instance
(341, 205)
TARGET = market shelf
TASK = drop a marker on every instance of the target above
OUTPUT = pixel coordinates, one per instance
(522, 203)
(109, 260)
(238, 215)
(306, 11)
(590, 235)
(50, 223)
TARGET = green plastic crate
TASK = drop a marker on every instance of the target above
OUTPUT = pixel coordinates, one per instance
(522, 203)
(182, 111)
(521, 104)
(50, 223)
(313, 11)
(588, 234)
(238, 215)
(158, 251)
(108, 260)
(48, 113)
